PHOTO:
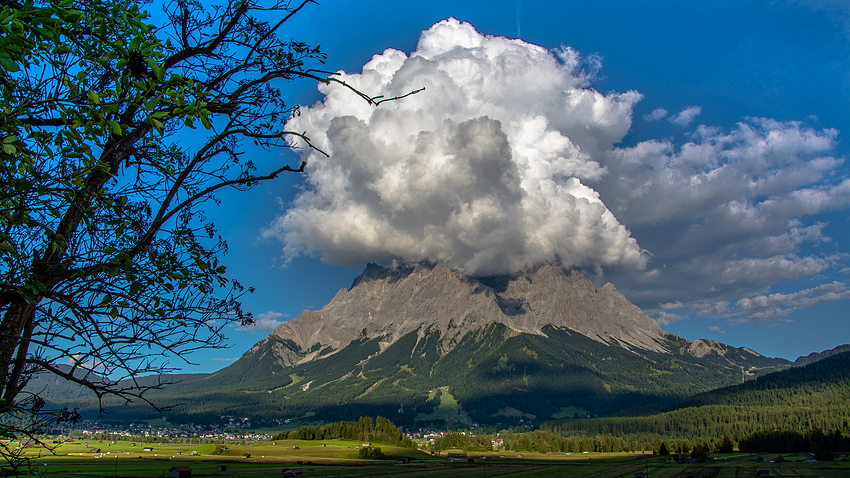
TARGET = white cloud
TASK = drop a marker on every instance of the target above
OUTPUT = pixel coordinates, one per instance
(665, 318)
(484, 171)
(509, 158)
(656, 115)
(265, 322)
(772, 306)
(684, 117)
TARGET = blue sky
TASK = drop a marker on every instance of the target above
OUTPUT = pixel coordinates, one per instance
(726, 180)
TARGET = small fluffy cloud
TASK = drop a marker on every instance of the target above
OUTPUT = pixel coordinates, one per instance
(484, 171)
(666, 318)
(656, 115)
(686, 116)
(265, 322)
(509, 158)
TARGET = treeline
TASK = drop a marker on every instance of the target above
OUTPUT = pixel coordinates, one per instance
(540, 441)
(823, 445)
(714, 421)
(462, 441)
(380, 430)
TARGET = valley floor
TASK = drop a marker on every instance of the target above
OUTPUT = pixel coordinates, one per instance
(335, 458)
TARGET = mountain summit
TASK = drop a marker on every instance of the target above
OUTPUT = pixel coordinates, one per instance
(405, 341)
(389, 303)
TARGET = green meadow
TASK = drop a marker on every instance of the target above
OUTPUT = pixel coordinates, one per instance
(337, 458)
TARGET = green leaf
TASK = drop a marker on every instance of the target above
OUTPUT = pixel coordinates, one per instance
(93, 97)
(116, 127)
(9, 148)
(152, 103)
(9, 65)
(60, 49)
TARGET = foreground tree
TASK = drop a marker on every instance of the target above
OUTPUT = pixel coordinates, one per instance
(108, 264)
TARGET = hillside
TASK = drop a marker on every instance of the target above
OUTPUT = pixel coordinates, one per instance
(798, 399)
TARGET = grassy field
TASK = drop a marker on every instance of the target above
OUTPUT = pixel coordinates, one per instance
(334, 458)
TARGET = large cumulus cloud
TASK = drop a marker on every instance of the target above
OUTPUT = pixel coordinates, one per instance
(484, 171)
(509, 157)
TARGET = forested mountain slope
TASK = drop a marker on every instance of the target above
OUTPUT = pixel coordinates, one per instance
(799, 399)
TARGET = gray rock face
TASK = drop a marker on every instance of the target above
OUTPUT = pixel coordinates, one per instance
(702, 347)
(817, 356)
(391, 302)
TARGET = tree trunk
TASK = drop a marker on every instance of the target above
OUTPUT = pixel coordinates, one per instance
(17, 327)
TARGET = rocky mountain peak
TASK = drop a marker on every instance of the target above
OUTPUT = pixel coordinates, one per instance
(389, 302)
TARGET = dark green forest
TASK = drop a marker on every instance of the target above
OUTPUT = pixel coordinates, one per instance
(799, 400)
(380, 430)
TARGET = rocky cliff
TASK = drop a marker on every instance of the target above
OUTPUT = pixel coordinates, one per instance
(392, 302)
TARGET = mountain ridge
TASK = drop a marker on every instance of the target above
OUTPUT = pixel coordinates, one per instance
(392, 301)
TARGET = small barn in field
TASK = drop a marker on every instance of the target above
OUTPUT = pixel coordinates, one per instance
(180, 472)
(293, 473)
